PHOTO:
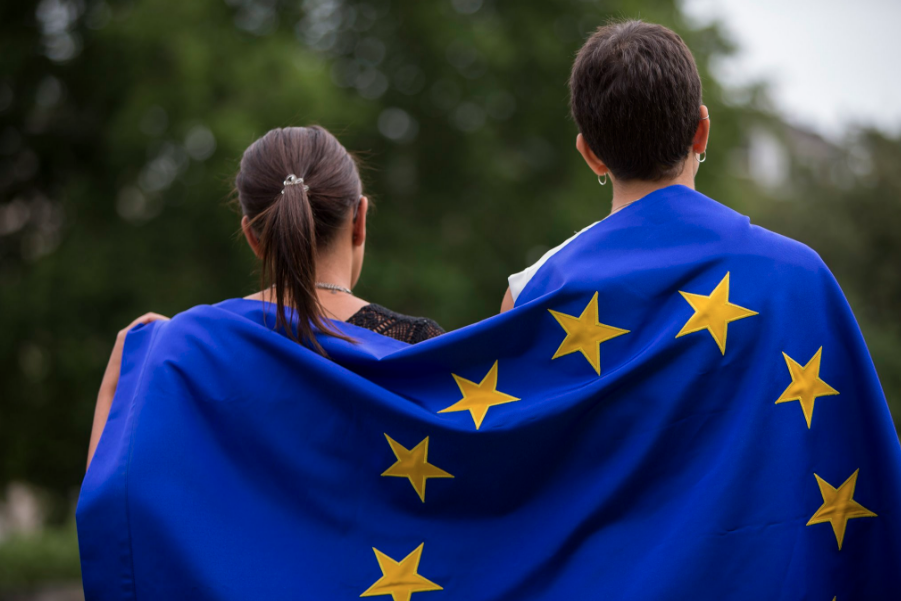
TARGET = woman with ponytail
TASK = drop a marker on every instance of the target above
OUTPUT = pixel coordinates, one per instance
(304, 217)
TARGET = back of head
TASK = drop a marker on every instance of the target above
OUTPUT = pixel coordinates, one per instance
(635, 96)
(296, 218)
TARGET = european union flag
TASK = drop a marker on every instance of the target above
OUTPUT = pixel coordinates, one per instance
(681, 406)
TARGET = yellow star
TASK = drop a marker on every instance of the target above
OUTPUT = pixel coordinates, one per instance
(839, 506)
(585, 333)
(477, 398)
(806, 384)
(414, 464)
(400, 579)
(713, 313)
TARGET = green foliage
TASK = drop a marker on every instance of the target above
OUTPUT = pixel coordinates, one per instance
(48, 556)
(121, 125)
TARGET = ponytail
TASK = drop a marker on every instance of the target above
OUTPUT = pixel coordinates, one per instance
(293, 221)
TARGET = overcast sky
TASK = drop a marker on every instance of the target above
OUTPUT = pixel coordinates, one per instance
(830, 63)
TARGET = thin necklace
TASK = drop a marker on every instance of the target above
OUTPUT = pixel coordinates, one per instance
(333, 287)
(620, 208)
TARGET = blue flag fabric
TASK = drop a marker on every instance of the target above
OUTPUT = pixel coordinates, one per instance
(681, 406)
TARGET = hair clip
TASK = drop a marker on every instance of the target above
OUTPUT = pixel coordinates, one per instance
(293, 180)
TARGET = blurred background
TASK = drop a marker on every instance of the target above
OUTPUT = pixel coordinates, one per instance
(122, 123)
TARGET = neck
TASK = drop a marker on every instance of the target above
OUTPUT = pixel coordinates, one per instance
(332, 269)
(625, 193)
(336, 268)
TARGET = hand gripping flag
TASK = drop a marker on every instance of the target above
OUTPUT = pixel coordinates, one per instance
(680, 407)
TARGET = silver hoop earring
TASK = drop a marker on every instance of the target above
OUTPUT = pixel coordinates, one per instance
(701, 160)
(604, 181)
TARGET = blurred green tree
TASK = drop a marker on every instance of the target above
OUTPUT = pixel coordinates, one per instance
(122, 123)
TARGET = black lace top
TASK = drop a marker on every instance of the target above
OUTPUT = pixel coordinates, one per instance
(400, 327)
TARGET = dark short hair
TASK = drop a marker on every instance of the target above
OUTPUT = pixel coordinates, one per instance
(635, 96)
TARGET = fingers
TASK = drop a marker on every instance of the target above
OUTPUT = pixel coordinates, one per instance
(143, 319)
(148, 317)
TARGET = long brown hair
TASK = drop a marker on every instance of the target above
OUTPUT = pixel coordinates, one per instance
(294, 222)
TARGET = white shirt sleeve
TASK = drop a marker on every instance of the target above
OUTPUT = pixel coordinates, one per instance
(519, 280)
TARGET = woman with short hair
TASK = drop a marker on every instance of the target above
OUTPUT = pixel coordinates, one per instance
(635, 95)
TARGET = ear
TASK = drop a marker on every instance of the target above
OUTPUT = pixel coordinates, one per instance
(359, 224)
(699, 142)
(250, 236)
(594, 163)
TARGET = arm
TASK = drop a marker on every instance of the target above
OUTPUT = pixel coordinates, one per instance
(110, 381)
(507, 303)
